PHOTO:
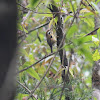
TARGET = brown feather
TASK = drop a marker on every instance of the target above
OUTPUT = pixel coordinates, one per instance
(50, 39)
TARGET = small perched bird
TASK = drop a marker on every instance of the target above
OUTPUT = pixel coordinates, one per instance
(50, 39)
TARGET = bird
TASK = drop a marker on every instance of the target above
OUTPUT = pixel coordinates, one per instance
(51, 40)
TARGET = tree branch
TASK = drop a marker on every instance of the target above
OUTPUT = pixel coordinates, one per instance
(28, 90)
(35, 63)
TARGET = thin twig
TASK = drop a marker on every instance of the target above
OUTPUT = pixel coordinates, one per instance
(90, 5)
(42, 12)
(22, 6)
(37, 27)
(35, 63)
(28, 8)
(62, 90)
(40, 26)
(23, 35)
(38, 37)
(24, 87)
(93, 32)
(74, 18)
(38, 4)
(28, 90)
(72, 7)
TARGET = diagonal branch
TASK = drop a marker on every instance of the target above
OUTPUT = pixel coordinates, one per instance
(28, 90)
(93, 32)
(35, 63)
(40, 26)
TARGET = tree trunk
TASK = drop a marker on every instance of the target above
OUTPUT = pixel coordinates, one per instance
(62, 52)
(8, 43)
(96, 67)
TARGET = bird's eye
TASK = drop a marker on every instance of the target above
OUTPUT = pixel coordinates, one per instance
(51, 36)
(49, 32)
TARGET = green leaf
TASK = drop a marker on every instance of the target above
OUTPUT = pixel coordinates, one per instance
(57, 0)
(68, 17)
(88, 14)
(96, 55)
(97, 1)
(85, 50)
(25, 30)
(27, 64)
(32, 3)
(19, 26)
(89, 21)
(46, 15)
(33, 73)
(56, 19)
(23, 52)
(71, 72)
(31, 56)
(21, 96)
(82, 40)
(50, 24)
(95, 40)
(94, 98)
(71, 31)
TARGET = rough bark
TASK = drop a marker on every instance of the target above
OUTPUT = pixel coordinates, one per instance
(96, 67)
(96, 80)
(62, 52)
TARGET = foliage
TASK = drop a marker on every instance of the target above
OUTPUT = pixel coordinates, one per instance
(33, 46)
